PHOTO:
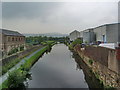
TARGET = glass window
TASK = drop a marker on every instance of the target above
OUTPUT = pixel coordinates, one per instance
(13, 39)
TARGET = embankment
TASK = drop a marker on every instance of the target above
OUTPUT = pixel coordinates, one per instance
(25, 68)
(11, 61)
(103, 62)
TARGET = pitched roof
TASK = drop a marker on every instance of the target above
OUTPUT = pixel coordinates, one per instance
(10, 33)
(74, 31)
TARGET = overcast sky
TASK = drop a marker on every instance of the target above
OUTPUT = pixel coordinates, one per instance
(61, 17)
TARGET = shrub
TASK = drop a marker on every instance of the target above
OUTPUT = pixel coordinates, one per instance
(13, 51)
(21, 48)
(77, 41)
(16, 79)
(9, 65)
(90, 62)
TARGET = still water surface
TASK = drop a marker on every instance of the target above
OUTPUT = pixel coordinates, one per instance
(57, 69)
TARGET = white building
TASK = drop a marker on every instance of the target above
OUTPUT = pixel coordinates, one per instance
(74, 35)
(88, 36)
(108, 33)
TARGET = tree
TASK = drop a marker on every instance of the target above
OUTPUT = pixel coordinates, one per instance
(16, 79)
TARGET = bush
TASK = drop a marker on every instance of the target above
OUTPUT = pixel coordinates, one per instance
(77, 41)
(9, 65)
(21, 48)
(13, 51)
(16, 79)
(90, 62)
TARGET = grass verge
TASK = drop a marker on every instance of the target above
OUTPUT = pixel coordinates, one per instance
(12, 63)
(26, 66)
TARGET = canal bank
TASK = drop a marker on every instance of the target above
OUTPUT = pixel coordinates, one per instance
(102, 63)
(62, 68)
(23, 67)
(90, 77)
(57, 69)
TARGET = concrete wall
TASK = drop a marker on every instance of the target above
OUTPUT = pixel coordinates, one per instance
(74, 35)
(112, 33)
(88, 36)
(119, 21)
(119, 32)
(0, 45)
(0, 41)
(81, 34)
(99, 32)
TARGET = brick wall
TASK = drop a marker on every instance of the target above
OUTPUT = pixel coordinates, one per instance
(107, 57)
(106, 63)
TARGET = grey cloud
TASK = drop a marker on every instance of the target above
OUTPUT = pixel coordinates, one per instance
(27, 9)
(57, 16)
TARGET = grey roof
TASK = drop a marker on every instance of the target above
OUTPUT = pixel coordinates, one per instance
(10, 33)
(74, 31)
(107, 25)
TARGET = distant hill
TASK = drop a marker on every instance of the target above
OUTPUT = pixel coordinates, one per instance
(47, 34)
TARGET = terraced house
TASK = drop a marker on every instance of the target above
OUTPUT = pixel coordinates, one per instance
(11, 41)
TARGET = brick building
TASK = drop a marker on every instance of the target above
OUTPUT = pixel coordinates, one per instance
(10, 40)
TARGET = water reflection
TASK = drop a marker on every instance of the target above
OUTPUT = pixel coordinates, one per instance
(61, 69)
(57, 69)
(90, 78)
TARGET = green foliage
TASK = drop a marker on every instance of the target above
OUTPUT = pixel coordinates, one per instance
(47, 42)
(110, 88)
(21, 48)
(34, 40)
(4, 84)
(77, 41)
(97, 75)
(12, 63)
(13, 51)
(9, 65)
(90, 62)
(16, 78)
(32, 59)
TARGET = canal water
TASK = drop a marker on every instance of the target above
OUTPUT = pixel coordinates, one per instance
(57, 69)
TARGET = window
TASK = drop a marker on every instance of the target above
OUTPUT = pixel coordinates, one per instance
(104, 38)
(13, 39)
(8, 38)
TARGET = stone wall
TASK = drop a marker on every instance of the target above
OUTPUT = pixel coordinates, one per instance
(103, 62)
(19, 55)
